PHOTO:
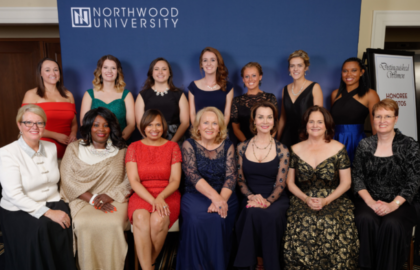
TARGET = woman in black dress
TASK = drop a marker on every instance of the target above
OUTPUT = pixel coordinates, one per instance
(386, 177)
(160, 93)
(297, 97)
(241, 106)
(263, 165)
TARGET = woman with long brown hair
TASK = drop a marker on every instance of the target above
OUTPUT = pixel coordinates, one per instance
(108, 92)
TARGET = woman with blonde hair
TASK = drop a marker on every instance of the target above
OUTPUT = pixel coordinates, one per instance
(35, 222)
(108, 92)
(209, 205)
(297, 97)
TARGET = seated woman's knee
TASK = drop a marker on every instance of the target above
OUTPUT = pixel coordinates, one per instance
(159, 223)
(141, 219)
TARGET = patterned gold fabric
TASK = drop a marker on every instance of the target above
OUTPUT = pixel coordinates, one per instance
(325, 239)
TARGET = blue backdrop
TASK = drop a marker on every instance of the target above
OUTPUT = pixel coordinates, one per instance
(267, 32)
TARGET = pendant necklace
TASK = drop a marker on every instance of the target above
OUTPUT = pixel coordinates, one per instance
(161, 93)
(293, 86)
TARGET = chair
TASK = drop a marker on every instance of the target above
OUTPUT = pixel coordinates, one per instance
(174, 228)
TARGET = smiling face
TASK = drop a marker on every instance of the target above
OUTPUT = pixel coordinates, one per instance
(209, 63)
(297, 68)
(316, 124)
(161, 72)
(351, 73)
(209, 126)
(384, 120)
(34, 133)
(50, 72)
(154, 129)
(100, 132)
(251, 78)
(109, 71)
(264, 120)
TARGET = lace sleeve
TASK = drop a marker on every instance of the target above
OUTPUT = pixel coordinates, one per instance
(234, 117)
(189, 166)
(231, 172)
(241, 179)
(279, 186)
(130, 156)
(273, 100)
(357, 175)
(176, 154)
(411, 167)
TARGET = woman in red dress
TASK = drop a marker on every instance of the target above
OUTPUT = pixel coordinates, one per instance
(154, 170)
(58, 104)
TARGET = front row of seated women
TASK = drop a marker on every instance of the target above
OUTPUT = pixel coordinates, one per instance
(318, 228)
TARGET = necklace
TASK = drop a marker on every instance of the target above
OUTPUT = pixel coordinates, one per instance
(215, 86)
(253, 150)
(293, 86)
(161, 93)
(100, 152)
(263, 148)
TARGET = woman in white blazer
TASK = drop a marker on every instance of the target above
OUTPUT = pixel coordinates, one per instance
(34, 220)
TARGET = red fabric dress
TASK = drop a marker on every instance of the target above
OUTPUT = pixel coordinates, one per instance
(59, 118)
(154, 167)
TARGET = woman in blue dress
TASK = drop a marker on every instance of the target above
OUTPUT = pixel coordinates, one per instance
(209, 205)
(351, 104)
(212, 90)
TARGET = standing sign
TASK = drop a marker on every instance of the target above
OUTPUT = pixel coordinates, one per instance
(394, 78)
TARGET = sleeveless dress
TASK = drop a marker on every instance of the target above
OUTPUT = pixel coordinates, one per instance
(206, 238)
(241, 110)
(216, 98)
(294, 114)
(349, 118)
(60, 115)
(117, 106)
(168, 104)
(325, 239)
(260, 231)
(154, 168)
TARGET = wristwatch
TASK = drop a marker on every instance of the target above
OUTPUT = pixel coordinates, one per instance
(398, 202)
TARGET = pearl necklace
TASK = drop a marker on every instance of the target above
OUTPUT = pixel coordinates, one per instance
(293, 86)
(161, 93)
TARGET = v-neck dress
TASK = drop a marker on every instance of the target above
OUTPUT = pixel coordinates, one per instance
(325, 239)
(294, 114)
(349, 118)
(117, 106)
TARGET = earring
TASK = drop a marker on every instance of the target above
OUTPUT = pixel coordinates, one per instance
(290, 74)
(198, 132)
(20, 132)
(254, 128)
(108, 143)
(305, 73)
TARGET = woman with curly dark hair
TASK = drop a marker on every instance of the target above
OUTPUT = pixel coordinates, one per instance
(351, 104)
(213, 90)
(94, 183)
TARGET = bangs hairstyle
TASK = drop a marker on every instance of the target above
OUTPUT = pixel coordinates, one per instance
(148, 117)
(40, 91)
(328, 121)
(151, 82)
(110, 118)
(302, 54)
(364, 83)
(221, 72)
(387, 104)
(195, 133)
(264, 104)
(119, 81)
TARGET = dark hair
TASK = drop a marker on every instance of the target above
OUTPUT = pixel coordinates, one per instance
(115, 134)
(41, 87)
(98, 81)
(264, 104)
(222, 71)
(328, 120)
(148, 118)
(364, 83)
(150, 81)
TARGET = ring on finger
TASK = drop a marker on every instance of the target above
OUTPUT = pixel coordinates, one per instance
(165, 206)
(101, 201)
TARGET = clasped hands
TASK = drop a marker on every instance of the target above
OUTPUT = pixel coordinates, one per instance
(314, 203)
(160, 206)
(382, 208)
(257, 201)
(103, 202)
(218, 205)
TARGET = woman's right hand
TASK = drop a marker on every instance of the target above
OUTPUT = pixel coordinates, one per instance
(373, 205)
(221, 205)
(59, 217)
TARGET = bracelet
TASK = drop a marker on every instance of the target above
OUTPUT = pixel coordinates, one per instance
(306, 199)
(93, 198)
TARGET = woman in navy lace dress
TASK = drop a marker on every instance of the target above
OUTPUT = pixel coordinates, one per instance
(209, 206)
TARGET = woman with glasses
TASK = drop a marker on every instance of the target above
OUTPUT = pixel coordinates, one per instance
(57, 103)
(386, 177)
(35, 222)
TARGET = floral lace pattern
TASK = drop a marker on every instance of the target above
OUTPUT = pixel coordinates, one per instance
(248, 101)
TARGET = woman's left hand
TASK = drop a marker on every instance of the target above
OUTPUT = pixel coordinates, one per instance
(384, 208)
(212, 209)
(72, 138)
(102, 199)
(161, 207)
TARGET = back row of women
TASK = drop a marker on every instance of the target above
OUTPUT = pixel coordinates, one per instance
(319, 228)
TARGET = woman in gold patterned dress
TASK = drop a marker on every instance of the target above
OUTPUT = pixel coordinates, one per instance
(320, 233)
